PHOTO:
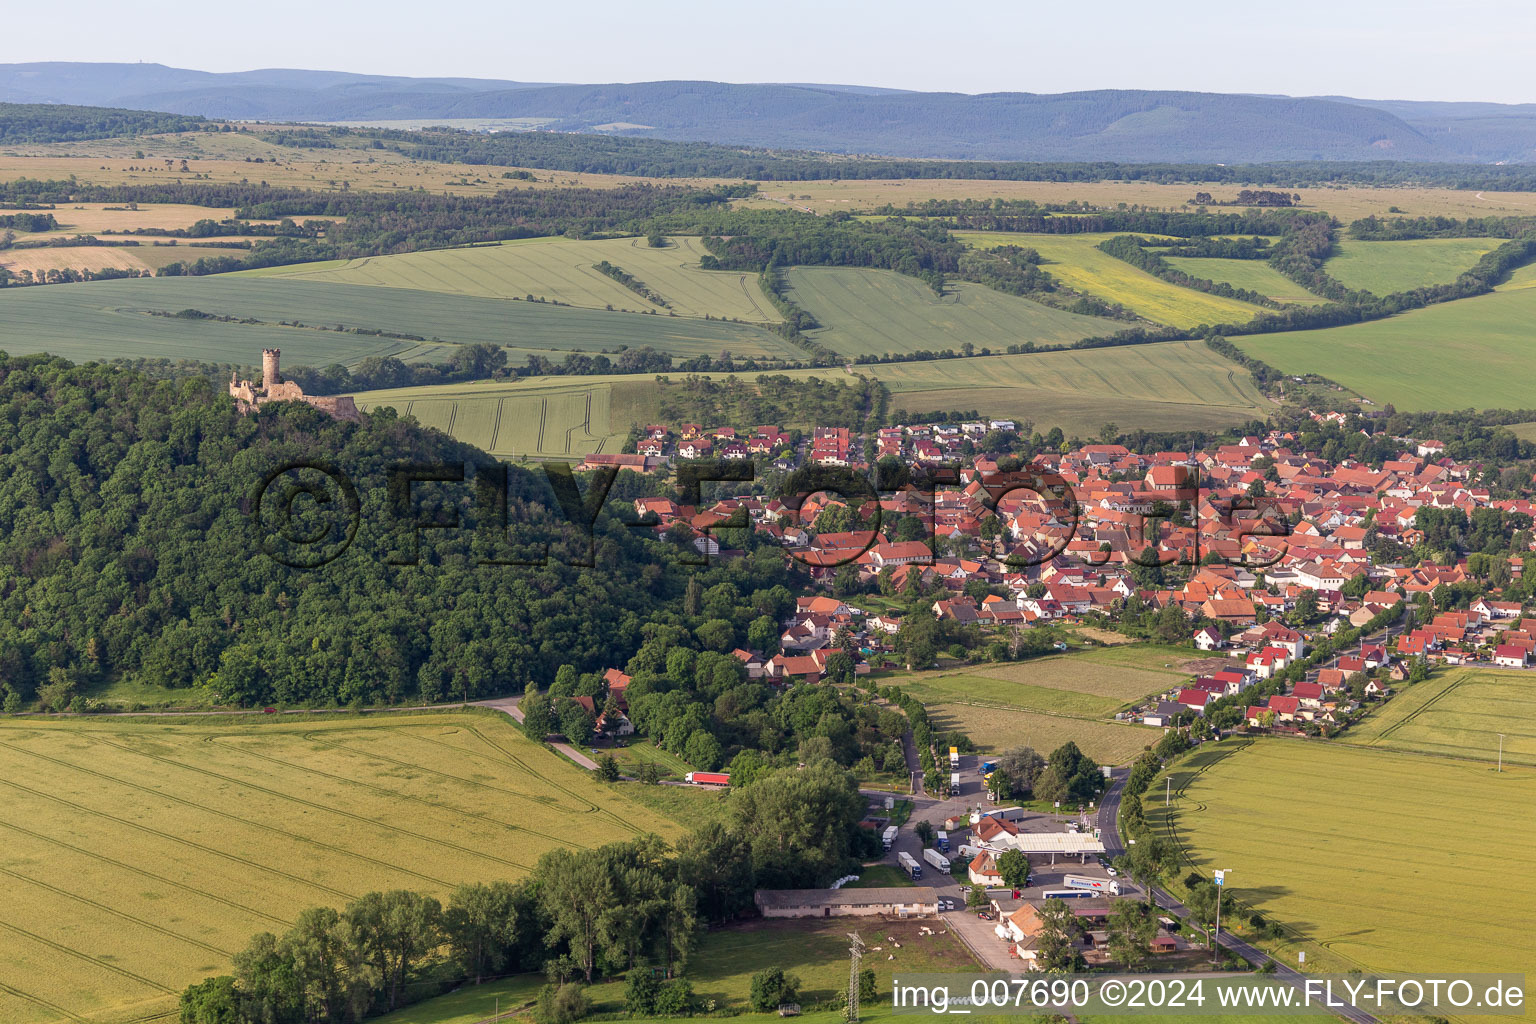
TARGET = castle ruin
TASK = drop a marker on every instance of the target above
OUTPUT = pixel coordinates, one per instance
(249, 396)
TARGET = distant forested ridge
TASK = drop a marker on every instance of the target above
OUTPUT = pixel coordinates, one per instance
(48, 122)
(663, 158)
(127, 550)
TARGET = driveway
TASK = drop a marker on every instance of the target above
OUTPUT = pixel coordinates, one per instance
(509, 706)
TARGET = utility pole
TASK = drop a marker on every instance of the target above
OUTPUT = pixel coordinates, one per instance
(1501, 752)
(1221, 881)
(1168, 790)
(855, 960)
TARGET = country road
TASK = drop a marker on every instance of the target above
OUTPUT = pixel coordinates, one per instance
(508, 705)
(1109, 814)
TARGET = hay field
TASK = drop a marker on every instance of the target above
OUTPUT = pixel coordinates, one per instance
(872, 312)
(1088, 684)
(1076, 261)
(104, 319)
(558, 269)
(558, 417)
(1471, 353)
(1345, 202)
(1459, 713)
(971, 687)
(138, 857)
(1254, 275)
(115, 218)
(996, 729)
(1387, 267)
(1369, 858)
(230, 157)
(78, 257)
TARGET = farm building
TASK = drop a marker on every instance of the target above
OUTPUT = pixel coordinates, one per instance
(902, 901)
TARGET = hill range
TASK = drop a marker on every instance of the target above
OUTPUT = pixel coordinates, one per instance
(1120, 125)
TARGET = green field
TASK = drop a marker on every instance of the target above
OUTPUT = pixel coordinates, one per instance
(137, 857)
(1387, 267)
(1254, 275)
(721, 969)
(1524, 431)
(1357, 852)
(1471, 353)
(816, 949)
(105, 319)
(558, 269)
(1091, 684)
(560, 417)
(1172, 385)
(1167, 386)
(995, 729)
(1459, 713)
(1077, 262)
(872, 312)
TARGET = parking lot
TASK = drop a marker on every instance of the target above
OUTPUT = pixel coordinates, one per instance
(978, 932)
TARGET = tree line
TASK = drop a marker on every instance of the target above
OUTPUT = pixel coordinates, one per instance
(62, 122)
(634, 909)
(606, 154)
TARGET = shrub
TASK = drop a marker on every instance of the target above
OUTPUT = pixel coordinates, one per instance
(640, 992)
(561, 1006)
(771, 986)
(675, 999)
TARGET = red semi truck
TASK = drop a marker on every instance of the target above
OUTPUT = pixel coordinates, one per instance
(708, 778)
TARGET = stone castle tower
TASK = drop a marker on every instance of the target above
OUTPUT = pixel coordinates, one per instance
(250, 396)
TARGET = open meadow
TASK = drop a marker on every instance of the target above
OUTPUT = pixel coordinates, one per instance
(139, 856)
(872, 312)
(106, 319)
(1387, 267)
(995, 728)
(1371, 859)
(558, 269)
(1044, 702)
(1089, 684)
(1077, 262)
(1471, 353)
(1254, 275)
(559, 417)
(1459, 713)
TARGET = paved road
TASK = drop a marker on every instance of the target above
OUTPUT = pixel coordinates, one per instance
(509, 706)
(1109, 811)
(914, 763)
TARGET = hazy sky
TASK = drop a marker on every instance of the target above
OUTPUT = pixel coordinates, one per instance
(1403, 49)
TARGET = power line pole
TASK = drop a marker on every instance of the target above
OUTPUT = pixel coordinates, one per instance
(855, 960)
(1501, 752)
(1221, 882)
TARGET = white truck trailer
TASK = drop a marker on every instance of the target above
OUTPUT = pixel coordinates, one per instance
(909, 864)
(888, 836)
(938, 860)
(1103, 885)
